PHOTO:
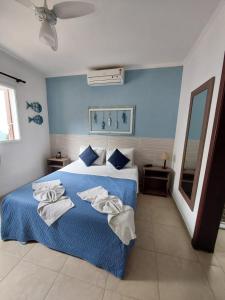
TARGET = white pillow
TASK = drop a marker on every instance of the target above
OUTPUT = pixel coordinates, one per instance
(128, 152)
(101, 153)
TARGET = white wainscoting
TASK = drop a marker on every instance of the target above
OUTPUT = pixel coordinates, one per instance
(147, 150)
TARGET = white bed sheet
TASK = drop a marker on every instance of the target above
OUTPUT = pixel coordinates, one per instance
(78, 167)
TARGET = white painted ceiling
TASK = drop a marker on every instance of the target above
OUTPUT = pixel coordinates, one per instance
(132, 33)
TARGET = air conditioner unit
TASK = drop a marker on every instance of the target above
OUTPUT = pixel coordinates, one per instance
(106, 77)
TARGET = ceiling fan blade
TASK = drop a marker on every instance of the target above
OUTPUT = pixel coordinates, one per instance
(26, 3)
(48, 35)
(55, 45)
(73, 9)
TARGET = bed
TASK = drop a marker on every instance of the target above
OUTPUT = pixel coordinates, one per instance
(82, 231)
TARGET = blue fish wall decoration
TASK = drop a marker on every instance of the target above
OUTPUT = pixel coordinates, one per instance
(95, 118)
(103, 124)
(35, 106)
(124, 117)
(37, 119)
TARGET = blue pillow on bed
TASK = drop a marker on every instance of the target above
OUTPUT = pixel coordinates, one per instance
(88, 156)
(118, 160)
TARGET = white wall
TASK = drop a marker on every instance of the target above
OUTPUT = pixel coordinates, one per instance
(204, 61)
(24, 160)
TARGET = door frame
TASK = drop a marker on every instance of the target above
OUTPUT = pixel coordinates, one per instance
(213, 191)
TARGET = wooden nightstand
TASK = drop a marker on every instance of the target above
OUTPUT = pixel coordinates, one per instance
(156, 180)
(55, 164)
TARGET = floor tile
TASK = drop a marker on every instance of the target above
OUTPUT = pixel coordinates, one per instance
(83, 270)
(206, 258)
(221, 259)
(145, 225)
(216, 279)
(140, 281)
(144, 232)
(173, 241)
(27, 281)
(156, 201)
(16, 248)
(166, 216)
(69, 288)
(143, 210)
(46, 257)
(182, 280)
(110, 295)
(220, 242)
(7, 263)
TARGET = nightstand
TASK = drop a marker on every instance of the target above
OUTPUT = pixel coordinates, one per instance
(55, 164)
(156, 180)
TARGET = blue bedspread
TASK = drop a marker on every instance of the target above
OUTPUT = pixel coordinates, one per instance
(82, 231)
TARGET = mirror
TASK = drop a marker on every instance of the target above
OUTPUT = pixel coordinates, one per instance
(195, 139)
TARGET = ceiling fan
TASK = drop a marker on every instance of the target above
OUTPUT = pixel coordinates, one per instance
(48, 17)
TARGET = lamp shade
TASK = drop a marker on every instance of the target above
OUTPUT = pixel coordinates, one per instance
(164, 156)
(48, 35)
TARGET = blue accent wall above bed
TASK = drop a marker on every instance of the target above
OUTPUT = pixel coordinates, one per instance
(155, 92)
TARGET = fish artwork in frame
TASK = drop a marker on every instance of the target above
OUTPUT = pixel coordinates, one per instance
(112, 120)
(36, 106)
(36, 119)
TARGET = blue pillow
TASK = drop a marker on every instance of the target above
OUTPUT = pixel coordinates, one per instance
(118, 160)
(88, 156)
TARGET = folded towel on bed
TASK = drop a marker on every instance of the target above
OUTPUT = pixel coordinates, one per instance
(94, 193)
(46, 184)
(52, 204)
(120, 217)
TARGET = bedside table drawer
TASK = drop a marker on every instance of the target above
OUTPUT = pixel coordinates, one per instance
(159, 174)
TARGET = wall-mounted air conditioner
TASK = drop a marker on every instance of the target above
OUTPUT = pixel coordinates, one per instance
(105, 77)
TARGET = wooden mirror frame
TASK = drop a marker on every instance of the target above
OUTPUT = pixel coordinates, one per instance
(208, 85)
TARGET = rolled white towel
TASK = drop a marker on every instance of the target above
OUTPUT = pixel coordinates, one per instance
(51, 194)
(50, 212)
(94, 193)
(110, 205)
(120, 217)
(52, 204)
(46, 184)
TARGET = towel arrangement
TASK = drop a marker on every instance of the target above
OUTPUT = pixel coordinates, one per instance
(120, 217)
(52, 202)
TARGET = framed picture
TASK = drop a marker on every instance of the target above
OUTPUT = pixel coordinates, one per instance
(112, 120)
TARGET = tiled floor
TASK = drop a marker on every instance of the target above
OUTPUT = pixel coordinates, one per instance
(162, 265)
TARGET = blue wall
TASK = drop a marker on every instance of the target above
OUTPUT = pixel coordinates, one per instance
(155, 92)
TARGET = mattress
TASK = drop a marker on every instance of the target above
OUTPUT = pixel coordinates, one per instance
(78, 167)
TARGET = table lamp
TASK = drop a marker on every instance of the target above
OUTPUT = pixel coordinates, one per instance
(164, 156)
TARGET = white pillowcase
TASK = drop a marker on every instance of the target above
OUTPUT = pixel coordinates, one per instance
(128, 152)
(101, 153)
